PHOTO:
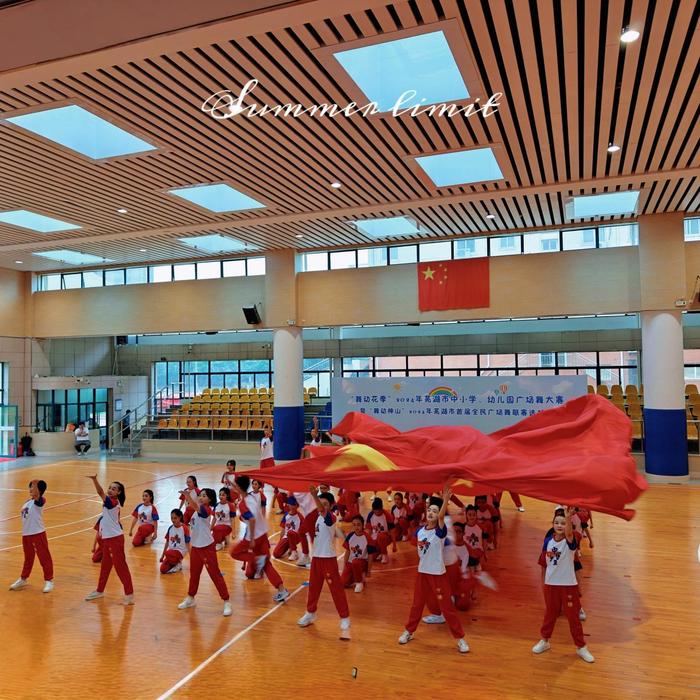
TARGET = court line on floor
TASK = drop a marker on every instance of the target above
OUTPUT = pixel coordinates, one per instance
(50, 539)
(186, 679)
(58, 493)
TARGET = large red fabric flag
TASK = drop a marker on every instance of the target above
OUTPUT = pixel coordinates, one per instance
(578, 453)
(453, 284)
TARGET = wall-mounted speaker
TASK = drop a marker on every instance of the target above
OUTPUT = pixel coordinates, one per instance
(251, 315)
(122, 340)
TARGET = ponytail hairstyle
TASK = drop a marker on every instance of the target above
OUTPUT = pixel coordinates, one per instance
(211, 495)
(121, 495)
(150, 494)
(194, 480)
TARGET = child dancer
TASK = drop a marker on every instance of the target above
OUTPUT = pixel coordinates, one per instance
(432, 586)
(222, 525)
(97, 543)
(227, 478)
(399, 513)
(256, 489)
(291, 526)
(487, 519)
(560, 588)
(177, 544)
(202, 551)
(34, 540)
(378, 524)
(112, 541)
(324, 566)
(267, 458)
(193, 491)
(357, 564)
(146, 515)
(582, 522)
(254, 547)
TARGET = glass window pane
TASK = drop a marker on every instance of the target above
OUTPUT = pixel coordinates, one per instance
(324, 383)
(100, 394)
(262, 379)
(59, 395)
(398, 362)
(691, 357)
(401, 254)
(471, 248)
(343, 260)
(136, 275)
(441, 250)
(72, 281)
(234, 268)
(541, 242)
(160, 273)
(216, 381)
(315, 262)
(209, 270)
(161, 375)
(72, 396)
(224, 365)
(577, 359)
(317, 363)
(357, 363)
(495, 361)
(458, 361)
(43, 396)
(506, 245)
(114, 277)
(51, 282)
(371, 257)
(256, 266)
(93, 278)
(255, 365)
(536, 359)
(196, 366)
(201, 382)
(579, 239)
(424, 362)
(231, 381)
(86, 396)
(617, 236)
(183, 272)
(691, 229)
(247, 381)
(624, 357)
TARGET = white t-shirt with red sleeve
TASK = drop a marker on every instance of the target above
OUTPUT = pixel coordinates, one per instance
(178, 538)
(324, 539)
(431, 543)
(33, 516)
(266, 449)
(559, 559)
(200, 533)
(357, 546)
(223, 514)
(110, 525)
(146, 515)
(291, 523)
(249, 507)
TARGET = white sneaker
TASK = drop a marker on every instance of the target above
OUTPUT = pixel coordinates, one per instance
(303, 561)
(462, 646)
(219, 546)
(487, 580)
(585, 655)
(521, 509)
(189, 602)
(434, 619)
(306, 619)
(281, 596)
(384, 559)
(582, 615)
(359, 587)
(345, 628)
(228, 610)
(405, 637)
(128, 600)
(94, 595)
(18, 584)
(175, 569)
(541, 646)
(48, 586)
(490, 547)
(293, 556)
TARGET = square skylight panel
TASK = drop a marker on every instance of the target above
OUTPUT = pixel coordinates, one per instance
(423, 63)
(217, 198)
(461, 167)
(71, 257)
(386, 228)
(35, 222)
(608, 204)
(82, 131)
(216, 243)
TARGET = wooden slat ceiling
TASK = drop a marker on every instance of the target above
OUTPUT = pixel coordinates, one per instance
(570, 89)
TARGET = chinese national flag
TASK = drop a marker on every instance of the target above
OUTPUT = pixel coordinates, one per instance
(453, 284)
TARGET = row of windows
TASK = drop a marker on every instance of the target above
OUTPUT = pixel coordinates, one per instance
(3, 379)
(57, 408)
(207, 270)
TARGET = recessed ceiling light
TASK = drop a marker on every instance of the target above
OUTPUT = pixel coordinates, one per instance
(35, 222)
(82, 131)
(490, 216)
(216, 243)
(299, 235)
(335, 185)
(71, 257)
(613, 148)
(218, 198)
(122, 211)
(18, 262)
(142, 250)
(386, 228)
(461, 167)
(608, 204)
(629, 35)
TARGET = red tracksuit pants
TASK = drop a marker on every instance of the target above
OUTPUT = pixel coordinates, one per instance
(568, 598)
(220, 533)
(261, 547)
(326, 569)
(460, 587)
(205, 557)
(113, 555)
(37, 545)
(291, 541)
(354, 572)
(172, 557)
(400, 530)
(142, 533)
(433, 590)
(381, 543)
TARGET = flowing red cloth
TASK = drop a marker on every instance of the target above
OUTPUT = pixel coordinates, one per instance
(577, 453)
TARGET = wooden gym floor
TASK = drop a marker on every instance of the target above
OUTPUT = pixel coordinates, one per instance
(641, 587)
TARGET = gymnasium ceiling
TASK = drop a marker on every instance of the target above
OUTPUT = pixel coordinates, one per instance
(570, 89)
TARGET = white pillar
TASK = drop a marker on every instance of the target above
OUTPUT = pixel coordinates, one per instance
(288, 356)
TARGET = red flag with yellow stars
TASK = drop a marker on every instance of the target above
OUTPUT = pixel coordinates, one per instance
(453, 284)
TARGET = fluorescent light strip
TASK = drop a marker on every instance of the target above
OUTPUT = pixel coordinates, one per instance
(35, 222)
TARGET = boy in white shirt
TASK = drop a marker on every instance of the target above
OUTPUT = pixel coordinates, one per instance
(432, 586)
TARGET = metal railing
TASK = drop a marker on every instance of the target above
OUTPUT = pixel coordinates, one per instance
(179, 428)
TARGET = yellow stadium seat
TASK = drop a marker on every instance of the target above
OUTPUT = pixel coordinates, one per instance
(637, 430)
(616, 390)
(256, 424)
(313, 391)
(692, 430)
(163, 423)
(603, 390)
(591, 390)
(691, 389)
(215, 390)
(204, 424)
(236, 424)
(252, 390)
(243, 390)
(225, 390)
(631, 390)
(205, 391)
(254, 409)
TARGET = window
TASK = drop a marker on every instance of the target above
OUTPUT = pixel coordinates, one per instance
(691, 229)
(429, 252)
(3, 382)
(184, 272)
(56, 408)
(578, 239)
(136, 275)
(160, 273)
(234, 268)
(399, 255)
(617, 236)
(255, 266)
(114, 277)
(51, 283)
(343, 259)
(371, 257)
(544, 242)
(72, 281)
(209, 270)
(505, 245)
(93, 278)
(471, 248)
(314, 262)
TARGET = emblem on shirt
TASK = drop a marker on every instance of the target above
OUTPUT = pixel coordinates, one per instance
(423, 545)
(554, 555)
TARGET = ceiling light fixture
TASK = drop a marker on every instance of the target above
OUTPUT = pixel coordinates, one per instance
(18, 262)
(142, 250)
(629, 35)
(336, 185)
(121, 210)
(490, 216)
(299, 235)
(613, 148)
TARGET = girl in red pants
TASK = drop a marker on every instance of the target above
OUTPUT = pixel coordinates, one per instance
(357, 563)
(399, 512)
(560, 589)
(34, 540)
(193, 491)
(146, 515)
(202, 551)
(112, 541)
(324, 566)
(177, 544)
(222, 524)
(97, 543)
(432, 586)
(291, 528)
(379, 522)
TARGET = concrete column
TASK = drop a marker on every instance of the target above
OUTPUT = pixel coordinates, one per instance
(288, 355)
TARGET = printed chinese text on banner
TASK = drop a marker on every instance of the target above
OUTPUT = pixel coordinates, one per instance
(453, 284)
